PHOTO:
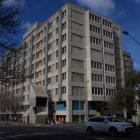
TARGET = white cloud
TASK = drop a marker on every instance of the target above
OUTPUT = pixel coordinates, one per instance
(105, 7)
(137, 1)
(14, 3)
(26, 25)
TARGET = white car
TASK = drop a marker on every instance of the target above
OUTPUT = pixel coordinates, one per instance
(109, 125)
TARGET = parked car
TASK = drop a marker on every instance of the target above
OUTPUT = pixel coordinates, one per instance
(109, 125)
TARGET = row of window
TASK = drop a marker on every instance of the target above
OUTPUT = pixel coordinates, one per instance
(110, 79)
(97, 77)
(55, 78)
(94, 18)
(110, 91)
(108, 45)
(39, 64)
(95, 29)
(99, 91)
(95, 40)
(109, 67)
(107, 23)
(54, 67)
(55, 91)
(55, 21)
(96, 65)
(38, 74)
(54, 43)
(107, 34)
(50, 35)
(39, 44)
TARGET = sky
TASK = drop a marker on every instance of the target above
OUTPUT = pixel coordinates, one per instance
(124, 12)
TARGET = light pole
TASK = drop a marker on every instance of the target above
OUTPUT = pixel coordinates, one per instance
(128, 34)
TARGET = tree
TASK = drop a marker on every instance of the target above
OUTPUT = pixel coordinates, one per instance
(9, 25)
(125, 98)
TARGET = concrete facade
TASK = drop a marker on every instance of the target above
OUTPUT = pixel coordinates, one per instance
(128, 62)
(76, 56)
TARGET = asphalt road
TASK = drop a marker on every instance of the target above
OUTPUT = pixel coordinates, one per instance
(61, 132)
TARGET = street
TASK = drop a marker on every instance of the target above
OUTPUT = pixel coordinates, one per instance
(58, 132)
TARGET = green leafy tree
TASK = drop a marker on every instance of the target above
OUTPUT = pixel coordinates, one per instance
(126, 97)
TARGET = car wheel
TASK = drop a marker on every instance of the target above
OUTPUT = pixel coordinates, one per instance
(112, 132)
(90, 130)
(129, 132)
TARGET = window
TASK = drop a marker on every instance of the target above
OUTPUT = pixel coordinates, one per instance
(63, 14)
(97, 78)
(108, 45)
(48, 81)
(95, 29)
(77, 105)
(107, 23)
(56, 78)
(56, 66)
(64, 50)
(96, 65)
(56, 91)
(50, 24)
(110, 91)
(63, 37)
(100, 119)
(107, 34)
(39, 44)
(63, 90)
(39, 54)
(95, 40)
(64, 26)
(49, 69)
(57, 30)
(38, 74)
(64, 63)
(110, 68)
(97, 91)
(64, 76)
(38, 83)
(39, 34)
(43, 71)
(39, 64)
(110, 79)
(56, 53)
(50, 35)
(57, 19)
(56, 41)
(94, 18)
(92, 120)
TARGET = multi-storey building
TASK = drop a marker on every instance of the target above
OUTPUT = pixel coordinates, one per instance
(76, 59)
(128, 62)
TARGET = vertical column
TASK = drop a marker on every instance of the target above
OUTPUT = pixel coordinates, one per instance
(60, 56)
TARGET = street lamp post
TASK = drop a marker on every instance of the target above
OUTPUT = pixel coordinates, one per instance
(128, 34)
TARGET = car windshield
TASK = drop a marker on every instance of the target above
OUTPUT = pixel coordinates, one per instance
(112, 119)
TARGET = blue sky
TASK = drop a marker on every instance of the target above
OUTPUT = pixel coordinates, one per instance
(125, 12)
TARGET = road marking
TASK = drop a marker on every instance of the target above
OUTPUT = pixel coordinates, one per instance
(100, 138)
